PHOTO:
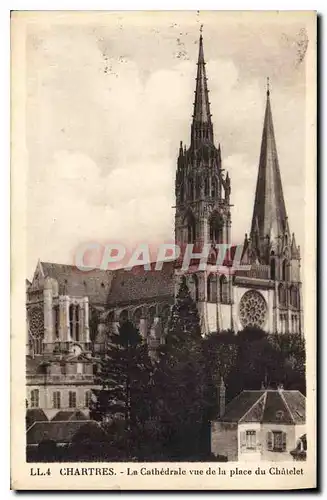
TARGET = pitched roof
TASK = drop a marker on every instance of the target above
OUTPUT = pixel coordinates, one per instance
(113, 286)
(35, 415)
(62, 416)
(296, 403)
(139, 284)
(94, 284)
(269, 212)
(60, 432)
(268, 406)
(240, 405)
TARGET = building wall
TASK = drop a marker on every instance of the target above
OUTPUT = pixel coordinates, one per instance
(46, 397)
(219, 316)
(224, 440)
(268, 294)
(274, 456)
(245, 454)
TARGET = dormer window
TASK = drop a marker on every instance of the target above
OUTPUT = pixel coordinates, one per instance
(279, 414)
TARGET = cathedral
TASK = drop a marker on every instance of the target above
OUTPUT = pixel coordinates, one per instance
(71, 313)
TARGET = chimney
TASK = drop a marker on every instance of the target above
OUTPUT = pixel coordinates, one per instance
(221, 397)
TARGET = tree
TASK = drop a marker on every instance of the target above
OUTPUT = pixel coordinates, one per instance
(184, 323)
(180, 380)
(220, 351)
(124, 376)
(267, 360)
(291, 347)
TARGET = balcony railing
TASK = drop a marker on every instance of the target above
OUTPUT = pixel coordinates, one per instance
(257, 271)
(60, 378)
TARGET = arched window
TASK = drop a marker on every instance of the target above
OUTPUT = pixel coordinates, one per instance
(294, 296)
(214, 188)
(296, 324)
(77, 322)
(216, 228)
(282, 295)
(212, 288)
(56, 320)
(151, 315)
(206, 186)
(283, 322)
(285, 270)
(182, 192)
(123, 317)
(190, 189)
(71, 319)
(110, 317)
(224, 290)
(74, 321)
(195, 287)
(137, 317)
(272, 269)
(198, 187)
(191, 227)
(36, 344)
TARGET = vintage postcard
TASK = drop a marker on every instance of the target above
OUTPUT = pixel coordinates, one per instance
(163, 250)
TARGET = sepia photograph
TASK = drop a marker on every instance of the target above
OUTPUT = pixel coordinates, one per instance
(168, 288)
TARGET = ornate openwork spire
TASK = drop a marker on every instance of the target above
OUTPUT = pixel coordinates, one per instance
(202, 126)
(269, 214)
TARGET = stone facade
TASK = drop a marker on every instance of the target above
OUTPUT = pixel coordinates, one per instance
(71, 314)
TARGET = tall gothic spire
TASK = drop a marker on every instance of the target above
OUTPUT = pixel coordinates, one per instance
(269, 213)
(202, 130)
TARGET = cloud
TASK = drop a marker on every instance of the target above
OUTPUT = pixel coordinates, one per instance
(104, 121)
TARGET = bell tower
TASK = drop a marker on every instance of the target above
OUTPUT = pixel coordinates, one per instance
(202, 190)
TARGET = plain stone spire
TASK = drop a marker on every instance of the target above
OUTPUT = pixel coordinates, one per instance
(269, 213)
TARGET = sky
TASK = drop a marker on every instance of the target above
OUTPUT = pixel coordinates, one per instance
(110, 97)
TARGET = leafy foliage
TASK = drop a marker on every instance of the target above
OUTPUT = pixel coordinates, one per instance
(184, 322)
(124, 376)
(180, 380)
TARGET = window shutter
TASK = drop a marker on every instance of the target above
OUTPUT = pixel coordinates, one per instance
(270, 440)
(284, 441)
(243, 439)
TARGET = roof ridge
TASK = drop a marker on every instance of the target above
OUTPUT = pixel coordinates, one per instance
(287, 407)
(30, 427)
(251, 407)
(70, 421)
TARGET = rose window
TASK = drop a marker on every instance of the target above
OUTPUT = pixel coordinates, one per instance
(253, 309)
(36, 321)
